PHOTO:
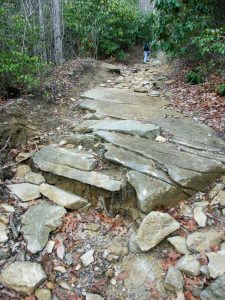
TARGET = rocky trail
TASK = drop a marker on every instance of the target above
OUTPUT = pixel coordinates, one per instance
(128, 203)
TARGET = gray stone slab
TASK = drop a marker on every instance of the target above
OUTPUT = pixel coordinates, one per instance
(25, 191)
(125, 126)
(38, 221)
(152, 192)
(194, 135)
(188, 170)
(92, 178)
(134, 161)
(116, 96)
(23, 276)
(70, 158)
(126, 111)
(61, 197)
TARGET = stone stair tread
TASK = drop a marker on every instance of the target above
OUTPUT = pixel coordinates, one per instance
(132, 127)
(128, 111)
(186, 169)
(152, 192)
(93, 178)
(192, 134)
(61, 197)
(116, 95)
(71, 158)
(135, 162)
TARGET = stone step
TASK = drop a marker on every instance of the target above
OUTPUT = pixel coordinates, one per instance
(131, 127)
(127, 111)
(49, 162)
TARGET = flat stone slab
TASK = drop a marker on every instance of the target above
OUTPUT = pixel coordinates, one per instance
(216, 290)
(127, 111)
(194, 135)
(38, 221)
(110, 68)
(25, 191)
(125, 126)
(61, 197)
(186, 169)
(70, 158)
(3, 233)
(92, 178)
(200, 241)
(154, 228)
(152, 192)
(23, 276)
(34, 178)
(135, 162)
(116, 96)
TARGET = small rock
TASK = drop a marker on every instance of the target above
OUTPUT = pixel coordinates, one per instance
(161, 139)
(109, 273)
(61, 197)
(25, 191)
(34, 178)
(168, 82)
(197, 288)
(219, 199)
(87, 258)
(23, 276)
(200, 217)
(90, 296)
(174, 281)
(203, 240)
(50, 285)
(50, 246)
(93, 226)
(4, 219)
(118, 250)
(23, 156)
(60, 269)
(187, 211)
(4, 253)
(154, 228)
(179, 244)
(216, 263)
(3, 233)
(215, 291)
(217, 188)
(64, 285)
(43, 294)
(223, 212)
(62, 143)
(78, 267)
(7, 208)
(21, 171)
(189, 265)
(68, 259)
(113, 281)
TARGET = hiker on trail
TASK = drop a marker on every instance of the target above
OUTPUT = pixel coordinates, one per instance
(147, 51)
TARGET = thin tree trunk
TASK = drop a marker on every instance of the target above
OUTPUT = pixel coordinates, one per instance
(42, 30)
(57, 31)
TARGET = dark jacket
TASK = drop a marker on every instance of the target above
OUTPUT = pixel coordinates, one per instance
(146, 47)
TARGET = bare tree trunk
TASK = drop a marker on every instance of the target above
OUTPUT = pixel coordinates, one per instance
(42, 30)
(146, 5)
(57, 31)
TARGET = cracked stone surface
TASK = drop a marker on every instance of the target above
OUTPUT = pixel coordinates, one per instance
(38, 221)
(61, 197)
(132, 127)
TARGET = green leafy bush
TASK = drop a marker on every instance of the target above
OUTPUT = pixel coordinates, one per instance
(194, 77)
(104, 28)
(221, 89)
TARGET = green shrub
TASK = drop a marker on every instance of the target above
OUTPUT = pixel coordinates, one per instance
(194, 77)
(221, 89)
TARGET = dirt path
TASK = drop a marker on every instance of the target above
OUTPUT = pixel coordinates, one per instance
(102, 226)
